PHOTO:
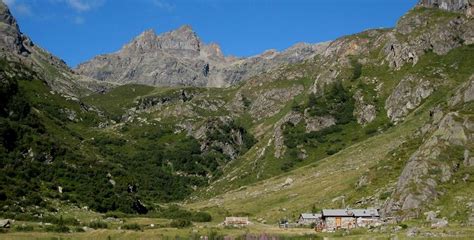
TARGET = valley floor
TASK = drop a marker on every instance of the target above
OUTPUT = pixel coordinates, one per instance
(389, 232)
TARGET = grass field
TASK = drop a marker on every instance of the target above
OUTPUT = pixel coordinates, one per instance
(214, 232)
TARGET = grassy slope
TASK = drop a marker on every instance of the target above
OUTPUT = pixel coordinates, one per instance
(320, 182)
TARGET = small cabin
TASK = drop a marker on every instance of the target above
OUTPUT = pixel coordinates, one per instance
(236, 221)
(334, 219)
(309, 218)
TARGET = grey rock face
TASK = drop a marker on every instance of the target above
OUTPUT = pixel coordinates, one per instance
(407, 96)
(180, 58)
(418, 182)
(270, 102)
(464, 94)
(405, 47)
(464, 6)
(11, 38)
(313, 124)
(292, 117)
(364, 112)
(219, 126)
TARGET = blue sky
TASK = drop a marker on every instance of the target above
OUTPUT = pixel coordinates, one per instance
(77, 30)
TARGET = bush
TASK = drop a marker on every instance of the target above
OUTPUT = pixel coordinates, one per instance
(132, 226)
(180, 223)
(370, 131)
(115, 215)
(336, 101)
(61, 220)
(201, 217)
(57, 228)
(98, 224)
(24, 228)
(287, 166)
(332, 151)
(356, 69)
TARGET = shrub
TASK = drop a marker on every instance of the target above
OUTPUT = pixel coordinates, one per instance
(332, 151)
(24, 228)
(356, 69)
(132, 226)
(370, 131)
(57, 228)
(98, 224)
(201, 217)
(180, 223)
(115, 215)
(61, 220)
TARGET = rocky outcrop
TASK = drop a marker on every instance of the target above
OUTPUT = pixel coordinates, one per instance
(279, 143)
(406, 96)
(464, 94)
(418, 33)
(428, 167)
(224, 135)
(180, 58)
(270, 102)
(11, 39)
(313, 124)
(364, 112)
(463, 6)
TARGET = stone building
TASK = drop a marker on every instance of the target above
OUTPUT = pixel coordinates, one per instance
(309, 218)
(333, 219)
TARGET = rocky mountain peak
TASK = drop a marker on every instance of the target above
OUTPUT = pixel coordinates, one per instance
(145, 42)
(12, 39)
(184, 38)
(6, 16)
(179, 57)
(212, 50)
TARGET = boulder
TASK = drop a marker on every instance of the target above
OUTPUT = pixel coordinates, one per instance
(439, 223)
(5, 223)
(412, 232)
(287, 182)
(430, 216)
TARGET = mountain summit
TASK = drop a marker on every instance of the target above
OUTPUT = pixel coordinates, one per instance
(183, 38)
(12, 39)
(180, 57)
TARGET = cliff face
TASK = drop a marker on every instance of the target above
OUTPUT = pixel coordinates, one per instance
(11, 38)
(464, 6)
(180, 58)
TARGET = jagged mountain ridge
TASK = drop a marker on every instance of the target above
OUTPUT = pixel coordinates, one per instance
(180, 58)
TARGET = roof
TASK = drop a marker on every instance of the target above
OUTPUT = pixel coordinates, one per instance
(310, 215)
(350, 213)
